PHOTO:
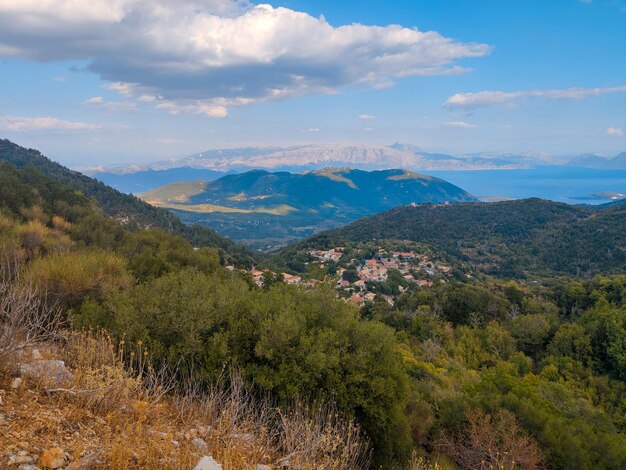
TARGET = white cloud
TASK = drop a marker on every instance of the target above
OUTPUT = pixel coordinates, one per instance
(221, 52)
(460, 125)
(47, 123)
(313, 129)
(147, 99)
(199, 107)
(490, 98)
(95, 100)
(615, 132)
(122, 88)
(366, 117)
(110, 105)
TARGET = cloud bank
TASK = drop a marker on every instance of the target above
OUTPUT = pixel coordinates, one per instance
(491, 98)
(205, 56)
(46, 123)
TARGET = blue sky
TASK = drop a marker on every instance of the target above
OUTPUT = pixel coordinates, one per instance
(110, 81)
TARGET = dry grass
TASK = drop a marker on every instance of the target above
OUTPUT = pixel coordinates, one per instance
(120, 407)
(25, 318)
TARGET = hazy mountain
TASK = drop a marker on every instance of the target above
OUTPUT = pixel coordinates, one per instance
(264, 208)
(600, 162)
(318, 156)
(147, 179)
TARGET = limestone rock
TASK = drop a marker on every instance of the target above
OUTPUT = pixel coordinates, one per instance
(200, 445)
(16, 383)
(207, 463)
(50, 373)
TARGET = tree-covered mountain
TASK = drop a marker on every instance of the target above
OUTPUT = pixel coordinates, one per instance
(511, 238)
(270, 208)
(125, 208)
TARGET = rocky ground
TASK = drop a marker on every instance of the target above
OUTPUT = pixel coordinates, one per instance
(46, 423)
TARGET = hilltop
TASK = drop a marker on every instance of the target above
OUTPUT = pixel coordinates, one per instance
(510, 238)
(263, 208)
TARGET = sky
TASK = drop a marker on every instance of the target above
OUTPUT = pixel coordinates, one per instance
(92, 82)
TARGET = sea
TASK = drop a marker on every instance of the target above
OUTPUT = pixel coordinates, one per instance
(556, 183)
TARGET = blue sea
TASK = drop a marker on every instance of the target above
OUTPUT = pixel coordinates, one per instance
(557, 183)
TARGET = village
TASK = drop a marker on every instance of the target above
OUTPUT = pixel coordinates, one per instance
(415, 268)
(356, 277)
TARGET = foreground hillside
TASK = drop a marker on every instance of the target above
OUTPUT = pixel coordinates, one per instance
(262, 208)
(511, 239)
(126, 209)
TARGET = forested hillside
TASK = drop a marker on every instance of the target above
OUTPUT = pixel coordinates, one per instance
(127, 209)
(510, 239)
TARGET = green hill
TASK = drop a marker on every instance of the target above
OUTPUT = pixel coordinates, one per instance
(511, 238)
(127, 209)
(261, 208)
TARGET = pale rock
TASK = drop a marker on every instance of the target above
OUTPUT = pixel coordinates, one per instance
(22, 459)
(16, 383)
(28, 466)
(53, 458)
(36, 355)
(263, 467)
(200, 445)
(50, 373)
(207, 463)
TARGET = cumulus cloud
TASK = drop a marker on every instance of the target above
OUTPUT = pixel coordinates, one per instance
(490, 98)
(201, 55)
(366, 117)
(615, 132)
(460, 125)
(47, 123)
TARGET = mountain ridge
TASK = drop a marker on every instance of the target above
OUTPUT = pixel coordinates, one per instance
(301, 202)
(510, 238)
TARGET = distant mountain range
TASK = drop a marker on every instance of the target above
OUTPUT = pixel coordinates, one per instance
(262, 208)
(510, 239)
(317, 156)
(213, 164)
(596, 161)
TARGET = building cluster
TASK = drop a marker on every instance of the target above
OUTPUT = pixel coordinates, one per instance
(376, 269)
(257, 277)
